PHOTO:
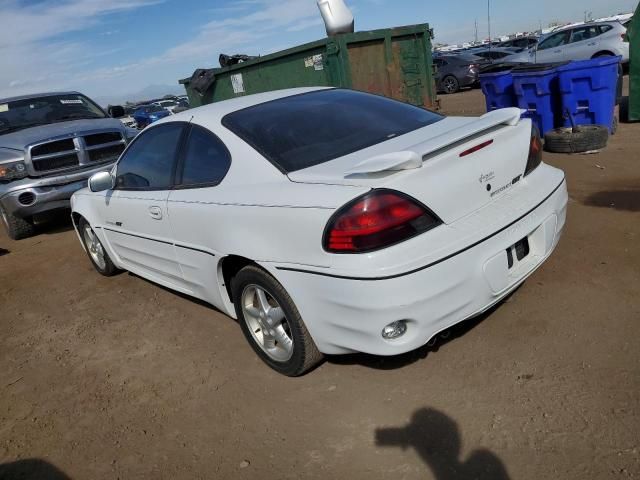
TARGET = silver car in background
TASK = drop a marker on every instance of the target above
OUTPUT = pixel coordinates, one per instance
(579, 42)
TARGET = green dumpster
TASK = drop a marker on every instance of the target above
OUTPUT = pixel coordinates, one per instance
(633, 33)
(393, 62)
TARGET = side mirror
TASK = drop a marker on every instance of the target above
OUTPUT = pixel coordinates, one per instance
(101, 181)
(116, 111)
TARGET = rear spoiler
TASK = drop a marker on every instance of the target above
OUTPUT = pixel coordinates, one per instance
(415, 155)
(488, 121)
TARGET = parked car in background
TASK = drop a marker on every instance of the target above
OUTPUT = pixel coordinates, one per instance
(169, 105)
(579, 42)
(495, 54)
(50, 144)
(147, 114)
(183, 105)
(412, 221)
(127, 117)
(456, 71)
(520, 43)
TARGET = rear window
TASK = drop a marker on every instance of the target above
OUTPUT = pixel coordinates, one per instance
(309, 129)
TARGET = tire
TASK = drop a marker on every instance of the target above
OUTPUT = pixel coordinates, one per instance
(263, 324)
(95, 250)
(614, 125)
(17, 228)
(583, 138)
(450, 84)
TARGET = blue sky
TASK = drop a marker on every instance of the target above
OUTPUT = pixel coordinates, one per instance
(112, 49)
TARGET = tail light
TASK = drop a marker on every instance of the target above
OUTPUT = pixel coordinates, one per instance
(535, 151)
(379, 219)
(624, 37)
(473, 68)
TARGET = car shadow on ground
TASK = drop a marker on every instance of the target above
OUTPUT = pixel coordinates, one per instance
(3, 251)
(31, 469)
(437, 440)
(402, 360)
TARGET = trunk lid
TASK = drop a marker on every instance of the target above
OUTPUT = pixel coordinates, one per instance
(451, 185)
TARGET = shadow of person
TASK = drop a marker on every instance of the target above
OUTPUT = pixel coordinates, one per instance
(436, 438)
(31, 469)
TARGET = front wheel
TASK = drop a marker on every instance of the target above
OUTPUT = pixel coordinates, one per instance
(97, 254)
(17, 228)
(272, 324)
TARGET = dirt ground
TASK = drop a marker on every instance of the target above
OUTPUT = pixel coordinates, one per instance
(119, 378)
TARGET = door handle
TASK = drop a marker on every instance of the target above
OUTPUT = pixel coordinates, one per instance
(155, 213)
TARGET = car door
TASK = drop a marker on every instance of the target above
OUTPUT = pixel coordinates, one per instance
(193, 206)
(136, 224)
(551, 49)
(583, 43)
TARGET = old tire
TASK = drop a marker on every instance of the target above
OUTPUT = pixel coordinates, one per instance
(450, 84)
(95, 251)
(583, 138)
(272, 324)
(17, 228)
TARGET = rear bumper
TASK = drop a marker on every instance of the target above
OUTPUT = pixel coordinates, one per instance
(44, 194)
(347, 315)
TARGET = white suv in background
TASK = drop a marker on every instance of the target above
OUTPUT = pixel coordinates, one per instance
(579, 42)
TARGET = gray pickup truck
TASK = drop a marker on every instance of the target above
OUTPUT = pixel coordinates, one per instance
(50, 144)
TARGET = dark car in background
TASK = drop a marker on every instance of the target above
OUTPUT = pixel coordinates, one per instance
(457, 71)
(521, 43)
(147, 114)
(495, 54)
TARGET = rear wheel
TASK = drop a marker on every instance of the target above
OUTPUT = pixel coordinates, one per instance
(450, 84)
(272, 324)
(96, 252)
(17, 228)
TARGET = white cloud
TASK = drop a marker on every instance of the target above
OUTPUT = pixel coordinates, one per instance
(36, 60)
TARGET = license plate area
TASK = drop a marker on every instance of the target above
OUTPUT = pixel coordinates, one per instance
(517, 252)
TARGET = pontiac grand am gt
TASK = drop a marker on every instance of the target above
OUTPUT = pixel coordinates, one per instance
(49, 145)
(328, 221)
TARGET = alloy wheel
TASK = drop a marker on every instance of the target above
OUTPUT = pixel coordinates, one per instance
(267, 323)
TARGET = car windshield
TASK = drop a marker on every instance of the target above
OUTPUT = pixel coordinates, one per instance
(31, 112)
(309, 129)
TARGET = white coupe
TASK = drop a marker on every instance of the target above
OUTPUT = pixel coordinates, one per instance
(328, 221)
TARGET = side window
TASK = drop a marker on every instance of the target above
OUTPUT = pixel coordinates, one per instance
(555, 40)
(584, 33)
(149, 161)
(605, 28)
(206, 159)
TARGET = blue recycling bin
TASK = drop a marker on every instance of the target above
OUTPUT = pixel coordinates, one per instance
(588, 90)
(536, 89)
(497, 87)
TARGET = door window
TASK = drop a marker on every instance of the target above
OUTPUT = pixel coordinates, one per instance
(148, 163)
(555, 40)
(206, 160)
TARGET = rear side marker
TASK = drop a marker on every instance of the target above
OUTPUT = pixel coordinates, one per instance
(476, 148)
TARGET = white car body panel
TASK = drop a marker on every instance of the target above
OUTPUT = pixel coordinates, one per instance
(434, 279)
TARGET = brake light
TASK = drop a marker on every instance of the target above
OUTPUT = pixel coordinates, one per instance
(535, 151)
(624, 37)
(379, 219)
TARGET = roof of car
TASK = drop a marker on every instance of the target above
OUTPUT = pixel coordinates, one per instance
(35, 95)
(587, 24)
(217, 110)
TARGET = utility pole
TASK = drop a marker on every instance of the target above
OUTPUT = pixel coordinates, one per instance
(476, 35)
(489, 21)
